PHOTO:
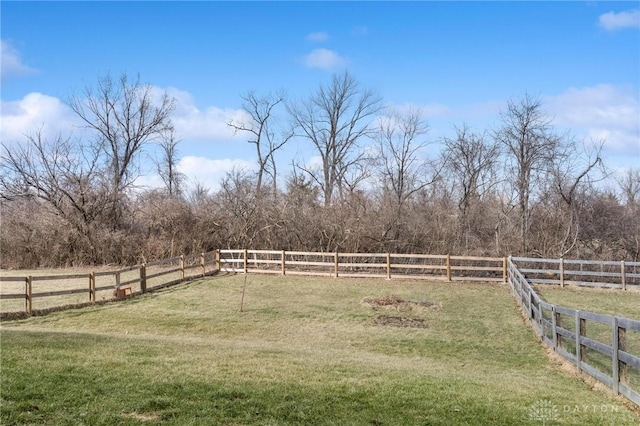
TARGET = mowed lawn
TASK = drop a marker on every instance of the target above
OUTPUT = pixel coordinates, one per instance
(316, 351)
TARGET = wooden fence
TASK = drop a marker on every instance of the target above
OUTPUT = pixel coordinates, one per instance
(45, 293)
(364, 265)
(595, 343)
(36, 294)
(584, 338)
(580, 272)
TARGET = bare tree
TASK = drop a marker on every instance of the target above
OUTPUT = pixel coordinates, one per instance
(261, 129)
(335, 119)
(125, 117)
(629, 183)
(167, 165)
(572, 176)
(65, 176)
(403, 169)
(531, 147)
(402, 163)
(471, 159)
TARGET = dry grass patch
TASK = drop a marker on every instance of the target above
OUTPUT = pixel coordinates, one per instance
(144, 417)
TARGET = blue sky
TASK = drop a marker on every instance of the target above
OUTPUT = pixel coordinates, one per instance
(458, 61)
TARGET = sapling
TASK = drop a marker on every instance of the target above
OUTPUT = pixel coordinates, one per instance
(244, 287)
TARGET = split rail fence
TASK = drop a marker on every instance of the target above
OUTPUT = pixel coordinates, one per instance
(39, 294)
(365, 265)
(600, 345)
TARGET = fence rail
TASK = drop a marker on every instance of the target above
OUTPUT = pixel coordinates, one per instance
(566, 332)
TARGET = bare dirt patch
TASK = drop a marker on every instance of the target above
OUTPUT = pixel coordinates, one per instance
(396, 321)
(397, 303)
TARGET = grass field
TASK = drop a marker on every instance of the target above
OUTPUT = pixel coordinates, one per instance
(303, 351)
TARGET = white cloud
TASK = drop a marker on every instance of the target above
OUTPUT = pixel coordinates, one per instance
(324, 59)
(35, 112)
(209, 124)
(612, 21)
(48, 114)
(203, 171)
(318, 37)
(605, 111)
(12, 65)
(209, 172)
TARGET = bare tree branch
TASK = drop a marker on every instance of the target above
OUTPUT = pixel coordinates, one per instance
(334, 120)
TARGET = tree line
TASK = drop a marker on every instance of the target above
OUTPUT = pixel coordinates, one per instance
(522, 188)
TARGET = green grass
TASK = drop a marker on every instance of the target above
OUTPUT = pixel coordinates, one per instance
(303, 351)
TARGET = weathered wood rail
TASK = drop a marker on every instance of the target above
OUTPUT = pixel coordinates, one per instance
(566, 332)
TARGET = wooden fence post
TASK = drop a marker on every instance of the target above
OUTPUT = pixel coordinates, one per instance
(92, 287)
(448, 263)
(182, 266)
(622, 346)
(388, 266)
(282, 263)
(143, 278)
(204, 270)
(529, 298)
(562, 272)
(504, 270)
(335, 263)
(623, 276)
(28, 295)
(581, 331)
(117, 283)
(578, 345)
(615, 363)
(532, 313)
(556, 320)
(218, 260)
